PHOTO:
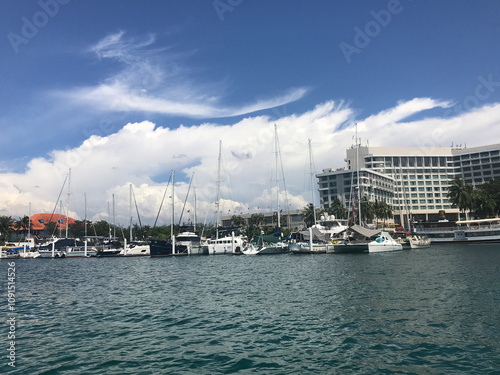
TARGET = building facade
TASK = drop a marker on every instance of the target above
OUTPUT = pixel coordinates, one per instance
(421, 177)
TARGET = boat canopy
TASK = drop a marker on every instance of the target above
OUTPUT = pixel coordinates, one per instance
(364, 231)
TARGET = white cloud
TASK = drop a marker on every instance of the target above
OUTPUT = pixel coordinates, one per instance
(143, 154)
(154, 81)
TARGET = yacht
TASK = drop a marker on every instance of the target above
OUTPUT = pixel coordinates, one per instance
(227, 245)
(383, 243)
(465, 231)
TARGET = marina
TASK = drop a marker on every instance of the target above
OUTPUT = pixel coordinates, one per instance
(419, 311)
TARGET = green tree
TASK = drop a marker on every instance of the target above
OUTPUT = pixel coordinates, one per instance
(6, 223)
(367, 210)
(237, 220)
(338, 209)
(460, 195)
(309, 215)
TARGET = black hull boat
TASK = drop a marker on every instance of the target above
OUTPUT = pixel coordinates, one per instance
(159, 248)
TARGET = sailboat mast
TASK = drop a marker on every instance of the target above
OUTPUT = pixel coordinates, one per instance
(130, 205)
(277, 181)
(312, 185)
(60, 220)
(114, 217)
(67, 203)
(217, 197)
(194, 192)
(29, 221)
(173, 201)
(85, 221)
(358, 173)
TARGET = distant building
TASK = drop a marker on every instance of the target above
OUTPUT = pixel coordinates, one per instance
(292, 218)
(420, 177)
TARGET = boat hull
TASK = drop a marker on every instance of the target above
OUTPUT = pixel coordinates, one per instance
(348, 248)
(159, 248)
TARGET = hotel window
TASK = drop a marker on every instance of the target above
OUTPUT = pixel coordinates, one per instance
(422, 200)
(438, 207)
(435, 176)
(438, 200)
(414, 207)
(421, 189)
(414, 201)
(414, 195)
(429, 195)
(427, 176)
(421, 182)
(437, 194)
(430, 207)
(420, 177)
(423, 207)
(436, 182)
(421, 195)
(428, 182)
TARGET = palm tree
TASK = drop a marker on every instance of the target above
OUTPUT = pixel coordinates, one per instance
(460, 195)
(338, 209)
(309, 215)
(238, 221)
(6, 223)
(367, 210)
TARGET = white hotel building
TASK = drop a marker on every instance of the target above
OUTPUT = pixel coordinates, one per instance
(414, 180)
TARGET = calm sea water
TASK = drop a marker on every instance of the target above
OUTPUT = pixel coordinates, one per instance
(429, 311)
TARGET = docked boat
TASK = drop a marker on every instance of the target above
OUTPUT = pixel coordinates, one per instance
(232, 245)
(310, 241)
(331, 227)
(109, 248)
(266, 245)
(9, 252)
(465, 231)
(383, 243)
(136, 248)
(354, 240)
(163, 248)
(418, 242)
(193, 243)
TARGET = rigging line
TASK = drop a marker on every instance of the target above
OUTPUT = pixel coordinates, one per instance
(137, 209)
(283, 177)
(185, 200)
(162, 200)
(59, 197)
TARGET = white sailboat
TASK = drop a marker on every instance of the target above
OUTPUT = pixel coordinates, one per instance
(310, 241)
(134, 248)
(229, 244)
(279, 246)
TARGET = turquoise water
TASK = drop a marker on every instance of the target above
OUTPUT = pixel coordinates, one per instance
(429, 311)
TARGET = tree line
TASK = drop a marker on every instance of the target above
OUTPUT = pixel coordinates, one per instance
(481, 201)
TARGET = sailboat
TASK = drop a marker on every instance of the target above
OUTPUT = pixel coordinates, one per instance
(356, 237)
(229, 244)
(310, 241)
(273, 244)
(162, 248)
(134, 248)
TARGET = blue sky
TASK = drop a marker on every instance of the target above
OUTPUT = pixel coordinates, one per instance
(231, 68)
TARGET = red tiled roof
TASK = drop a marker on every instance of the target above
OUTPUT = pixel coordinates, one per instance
(36, 219)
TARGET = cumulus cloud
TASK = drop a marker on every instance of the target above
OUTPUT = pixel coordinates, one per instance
(144, 154)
